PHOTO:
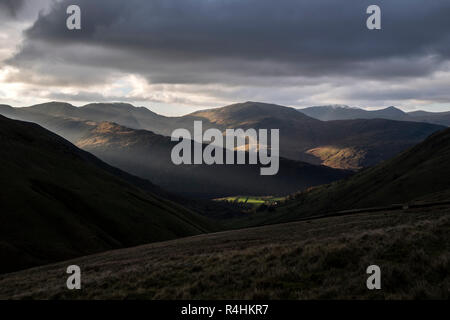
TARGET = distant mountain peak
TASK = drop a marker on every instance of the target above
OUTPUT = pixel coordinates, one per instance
(118, 107)
(250, 113)
(123, 105)
(53, 104)
(340, 106)
(335, 107)
(343, 112)
(53, 107)
(254, 104)
(392, 109)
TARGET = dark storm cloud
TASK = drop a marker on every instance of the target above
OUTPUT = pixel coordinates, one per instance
(87, 97)
(437, 92)
(11, 7)
(189, 41)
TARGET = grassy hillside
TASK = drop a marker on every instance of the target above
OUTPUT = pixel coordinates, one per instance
(421, 173)
(58, 202)
(334, 157)
(315, 259)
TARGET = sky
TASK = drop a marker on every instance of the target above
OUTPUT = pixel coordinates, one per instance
(178, 56)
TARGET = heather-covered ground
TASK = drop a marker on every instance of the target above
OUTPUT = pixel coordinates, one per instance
(323, 258)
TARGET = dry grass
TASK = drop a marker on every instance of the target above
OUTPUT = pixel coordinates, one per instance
(316, 259)
(339, 158)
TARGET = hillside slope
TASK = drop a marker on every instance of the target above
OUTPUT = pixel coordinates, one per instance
(315, 259)
(420, 173)
(58, 202)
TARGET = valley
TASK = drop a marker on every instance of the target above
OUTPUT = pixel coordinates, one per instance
(419, 174)
(226, 154)
(151, 232)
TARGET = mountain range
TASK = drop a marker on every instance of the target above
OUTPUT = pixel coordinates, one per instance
(148, 155)
(347, 144)
(341, 112)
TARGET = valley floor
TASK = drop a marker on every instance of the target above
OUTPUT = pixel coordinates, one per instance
(315, 259)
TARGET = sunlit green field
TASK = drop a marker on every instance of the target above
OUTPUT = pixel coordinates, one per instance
(252, 200)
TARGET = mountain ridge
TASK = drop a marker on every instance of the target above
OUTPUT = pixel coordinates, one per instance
(330, 113)
(300, 135)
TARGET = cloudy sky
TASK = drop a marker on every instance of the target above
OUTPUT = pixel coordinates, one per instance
(177, 56)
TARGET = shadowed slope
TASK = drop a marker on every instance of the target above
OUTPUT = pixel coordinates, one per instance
(315, 259)
(58, 202)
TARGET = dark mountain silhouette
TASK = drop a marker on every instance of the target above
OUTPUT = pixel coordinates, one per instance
(338, 112)
(58, 202)
(347, 144)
